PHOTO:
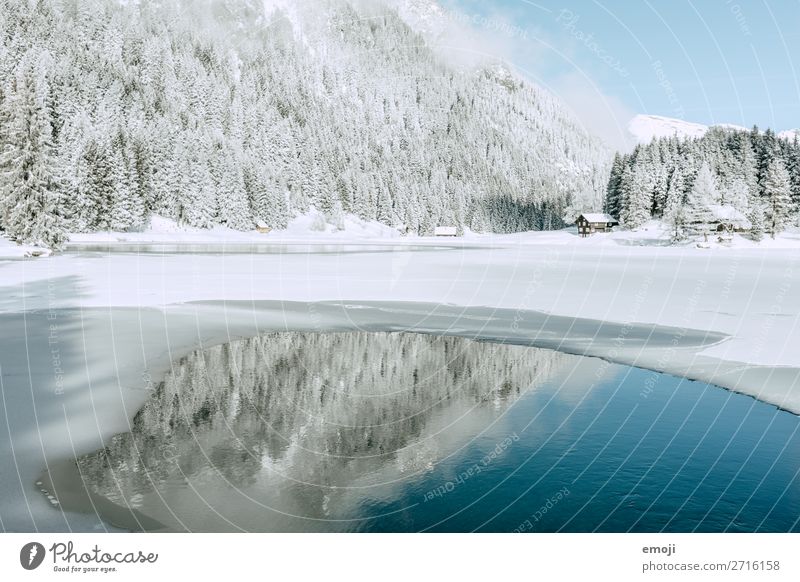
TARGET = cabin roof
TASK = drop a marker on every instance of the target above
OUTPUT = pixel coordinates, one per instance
(724, 213)
(599, 217)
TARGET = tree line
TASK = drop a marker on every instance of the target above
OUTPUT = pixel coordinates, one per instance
(753, 173)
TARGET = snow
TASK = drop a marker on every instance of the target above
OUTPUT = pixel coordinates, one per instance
(424, 16)
(314, 224)
(644, 128)
(11, 250)
(310, 226)
(445, 231)
(652, 233)
(240, 158)
(287, 9)
(657, 233)
(85, 335)
(789, 134)
(731, 127)
(727, 214)
(594, 217)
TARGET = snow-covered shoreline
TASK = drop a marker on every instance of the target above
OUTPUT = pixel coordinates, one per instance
(165, 236)
(101, 328)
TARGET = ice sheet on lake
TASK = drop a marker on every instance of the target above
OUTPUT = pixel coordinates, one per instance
(118, 322)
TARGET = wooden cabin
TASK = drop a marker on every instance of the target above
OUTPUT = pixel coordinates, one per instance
(590, 223)
(721, 219)
(262, 228)
(726, 219)
(445, 231)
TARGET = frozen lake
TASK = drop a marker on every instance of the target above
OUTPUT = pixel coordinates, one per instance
(249, 247)
(362, 431)
(87, 336)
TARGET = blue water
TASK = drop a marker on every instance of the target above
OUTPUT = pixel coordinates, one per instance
(689, 457)
(406, 433)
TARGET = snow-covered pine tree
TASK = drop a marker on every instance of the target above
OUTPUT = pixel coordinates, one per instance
(100, 188)
(675, 209)
(268, 196)
(703, 194)
(675, 215)
(162, 172)
(198, 190)
(676, 190)
(637, 197)
(756, 216)
(745, 158)
(660, 189)
(738, 195)
(766, 152)
(793, 167)
(127, 207)
(82, 211)
(384, 212)
(614, 189)
(777, 194)
(9, 137)
(31, 186)
(336, 215)
(234, 209)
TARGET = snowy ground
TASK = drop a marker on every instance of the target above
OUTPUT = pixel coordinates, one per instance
(85, 335)
(310, 226)
(10, 250)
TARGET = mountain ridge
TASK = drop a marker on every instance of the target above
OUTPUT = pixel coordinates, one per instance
(643, 128)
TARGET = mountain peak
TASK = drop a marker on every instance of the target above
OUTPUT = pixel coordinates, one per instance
(644, 128)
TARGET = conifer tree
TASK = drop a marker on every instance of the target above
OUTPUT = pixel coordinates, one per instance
(31, 187)
(777, 193)
(676, 216)
(738, 195)
(703, 194)
(793, 167)
(613, 191)
(757, 220)
(637, 197)
(100, 187)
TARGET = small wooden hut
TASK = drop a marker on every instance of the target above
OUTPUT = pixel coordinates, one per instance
(590, 223)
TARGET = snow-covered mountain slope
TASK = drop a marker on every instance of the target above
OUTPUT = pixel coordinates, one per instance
(233, 112)
(424, 16)
(646, 127)
(643, 128)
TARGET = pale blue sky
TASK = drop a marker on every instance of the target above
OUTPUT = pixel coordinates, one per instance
(709, 61)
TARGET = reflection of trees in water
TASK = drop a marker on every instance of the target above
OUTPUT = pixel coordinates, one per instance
(322, 409)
